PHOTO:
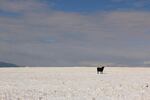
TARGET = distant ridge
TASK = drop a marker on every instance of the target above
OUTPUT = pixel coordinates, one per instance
(5, 64)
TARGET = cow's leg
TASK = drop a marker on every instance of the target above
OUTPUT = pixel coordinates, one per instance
(97, 72)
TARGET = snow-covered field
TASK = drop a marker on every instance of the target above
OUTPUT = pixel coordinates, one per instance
(74, 83)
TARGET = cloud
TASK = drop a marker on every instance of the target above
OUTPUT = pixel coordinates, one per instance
(21, 5)
(146, 62)
(42, 36)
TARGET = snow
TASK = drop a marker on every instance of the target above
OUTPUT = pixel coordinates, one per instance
(74, 83)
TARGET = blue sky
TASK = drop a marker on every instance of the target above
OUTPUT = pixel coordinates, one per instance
(75, 32)
(99, 5)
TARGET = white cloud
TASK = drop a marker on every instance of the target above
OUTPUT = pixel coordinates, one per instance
(146, 62)
(21, 5)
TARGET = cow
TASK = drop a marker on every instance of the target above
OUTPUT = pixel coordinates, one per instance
(100, 69)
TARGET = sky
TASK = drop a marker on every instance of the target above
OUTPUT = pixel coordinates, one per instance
(75, 32)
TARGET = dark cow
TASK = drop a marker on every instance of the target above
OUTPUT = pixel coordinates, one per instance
(100, 69)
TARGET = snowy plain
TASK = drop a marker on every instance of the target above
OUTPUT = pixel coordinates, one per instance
(74, 83)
